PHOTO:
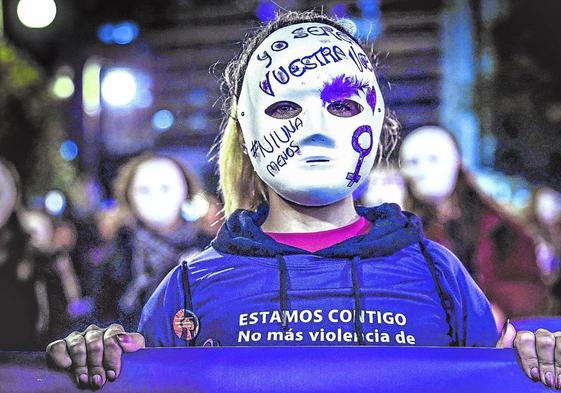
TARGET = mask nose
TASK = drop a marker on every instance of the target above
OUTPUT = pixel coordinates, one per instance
(316, 131)
(319, 140)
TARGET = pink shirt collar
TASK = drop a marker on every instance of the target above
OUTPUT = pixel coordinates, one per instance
(314, 241)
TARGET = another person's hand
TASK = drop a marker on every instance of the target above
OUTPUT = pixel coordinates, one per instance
(94, 355)
(539, 353)
(499, 316)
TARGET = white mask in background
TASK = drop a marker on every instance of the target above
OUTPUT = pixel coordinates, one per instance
(40, 229)
(548, 206)
(157, 192)
(385, 185)
(431, 162)
(311, 113)
(8, 195)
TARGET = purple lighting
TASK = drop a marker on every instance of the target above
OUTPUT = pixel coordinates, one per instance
(105, 33)
(339, 10)
(266, 11)
(121, 33)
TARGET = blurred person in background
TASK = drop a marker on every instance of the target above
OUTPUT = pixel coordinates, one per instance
(51, 242)
(110, 222)
(111, 228)
(151, 234)
(19, 304)
(85, 203)
(496, 249)
(385, 185)
(544, 220)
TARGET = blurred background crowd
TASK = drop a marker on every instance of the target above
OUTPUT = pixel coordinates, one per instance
(108, 113)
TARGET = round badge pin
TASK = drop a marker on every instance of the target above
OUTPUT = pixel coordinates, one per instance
(186, 324)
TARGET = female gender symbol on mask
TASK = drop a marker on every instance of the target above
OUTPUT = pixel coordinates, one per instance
(354, 177)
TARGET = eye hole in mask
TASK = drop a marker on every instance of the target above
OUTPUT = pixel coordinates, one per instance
(344, 108)
(283, 110)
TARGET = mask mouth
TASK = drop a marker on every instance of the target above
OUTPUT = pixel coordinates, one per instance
(317, 160)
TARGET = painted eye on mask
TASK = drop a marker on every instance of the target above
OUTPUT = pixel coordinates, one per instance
(283, 110)
(344, 108)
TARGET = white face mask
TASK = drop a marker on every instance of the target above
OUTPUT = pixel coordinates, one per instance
(431, 162)
(311, 113)
(548, 206)
(40, 229)
(157, 192)
(8, 195)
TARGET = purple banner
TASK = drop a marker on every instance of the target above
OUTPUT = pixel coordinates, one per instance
(289, 369)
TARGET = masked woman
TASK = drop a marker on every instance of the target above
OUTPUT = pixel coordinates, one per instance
(294, 262)
(495, 248)
(543, 217)
(153, 189)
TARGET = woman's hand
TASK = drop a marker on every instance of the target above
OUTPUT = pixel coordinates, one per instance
(94, 355)
(539, 353)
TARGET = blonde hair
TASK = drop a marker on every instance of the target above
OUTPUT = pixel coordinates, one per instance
(239, 184)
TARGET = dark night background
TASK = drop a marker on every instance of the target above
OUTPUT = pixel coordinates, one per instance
(519, 106)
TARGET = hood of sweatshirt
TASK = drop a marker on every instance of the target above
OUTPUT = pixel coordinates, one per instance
(392, 229)
(360, 274)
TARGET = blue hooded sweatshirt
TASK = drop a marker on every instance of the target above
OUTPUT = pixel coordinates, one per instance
(390, 286)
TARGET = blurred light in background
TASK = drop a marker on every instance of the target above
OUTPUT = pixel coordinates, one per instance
(162, 120)
(125, 33)
(121, 33)
(36, 14)
(369, 26)
(91, 76)
(459, 70)
(521, 198)
(198, 121)
(144, 97)
(68, 150)
(266, 11)
(512, 192)
(55, 202)
(487, 62)
(63, 84)
(63, 87)
(370, 8)
(488, 147)
(197, 97)
(105, 33)
(339, 10)
(119, 87)
(195, 208)
(37, 202)
(124, 121)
